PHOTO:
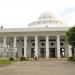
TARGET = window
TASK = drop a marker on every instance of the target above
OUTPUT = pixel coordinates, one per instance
(17, 40)
(42, 40)
(52, 44)
(61, 44)
(32, 40)
(22, 40)
(42, 44)
(33, 44)
(52, 40)
(62, 39)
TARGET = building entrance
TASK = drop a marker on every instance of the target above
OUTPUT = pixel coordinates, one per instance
(52, 52)
(62, 52)
(32, 52)
(22, 52)
(42, 52)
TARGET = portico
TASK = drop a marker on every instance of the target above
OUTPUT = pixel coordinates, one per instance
(42, 46)
(47, 46)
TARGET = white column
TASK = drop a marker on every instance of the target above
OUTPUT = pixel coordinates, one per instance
(58, 46)
(47, 46)
(70, 51)
(36, 46)
(25, 46)
(15, 47)
(14, 44)
(4, 41)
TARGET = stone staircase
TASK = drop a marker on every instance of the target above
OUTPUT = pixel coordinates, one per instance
(50, 59)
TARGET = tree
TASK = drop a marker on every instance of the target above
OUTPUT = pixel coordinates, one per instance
(71, 38)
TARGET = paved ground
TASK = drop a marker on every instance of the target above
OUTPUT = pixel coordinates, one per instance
(39, 68)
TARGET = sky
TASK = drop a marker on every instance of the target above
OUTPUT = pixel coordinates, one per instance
(19, 13)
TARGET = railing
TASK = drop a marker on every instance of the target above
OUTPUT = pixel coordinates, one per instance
(8, 52)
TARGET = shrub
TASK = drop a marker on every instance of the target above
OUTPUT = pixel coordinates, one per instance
(72, 59)
(23, 59)
(11, 59)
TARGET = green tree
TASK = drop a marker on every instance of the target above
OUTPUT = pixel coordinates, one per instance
(71, 38)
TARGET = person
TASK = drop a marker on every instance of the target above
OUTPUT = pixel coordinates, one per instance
(35, 58)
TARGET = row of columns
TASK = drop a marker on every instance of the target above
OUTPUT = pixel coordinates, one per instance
(14, 45)
(36, 46)
(14, 42)
(47, 46)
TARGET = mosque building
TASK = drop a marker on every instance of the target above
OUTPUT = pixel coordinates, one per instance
(44, 38)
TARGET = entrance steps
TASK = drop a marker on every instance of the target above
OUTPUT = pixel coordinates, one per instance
(39, 59)
(50, 59)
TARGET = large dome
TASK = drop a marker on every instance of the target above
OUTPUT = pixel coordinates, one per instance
(46, 15)
(47, 19)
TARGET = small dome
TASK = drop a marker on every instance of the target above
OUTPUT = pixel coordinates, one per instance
(46, 15)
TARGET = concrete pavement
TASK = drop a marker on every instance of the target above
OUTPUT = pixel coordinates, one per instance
(39, 68)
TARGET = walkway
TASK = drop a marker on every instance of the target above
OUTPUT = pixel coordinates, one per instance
(39, 68)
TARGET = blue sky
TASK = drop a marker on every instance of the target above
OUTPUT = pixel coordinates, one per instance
(19, 13)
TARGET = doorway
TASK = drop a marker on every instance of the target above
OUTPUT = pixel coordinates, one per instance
(32, 52)
(52, 52)
(22, 52)
(42, 52)
(62, 52)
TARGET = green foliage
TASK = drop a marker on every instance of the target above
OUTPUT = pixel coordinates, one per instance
(23, 59)
(71, 36)
(5, 62)
(11, 59)
(72, 59)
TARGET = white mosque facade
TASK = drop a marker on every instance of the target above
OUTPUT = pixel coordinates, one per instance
(44, 38)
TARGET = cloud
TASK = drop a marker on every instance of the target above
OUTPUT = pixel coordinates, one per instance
(18, 13)
(67, 12)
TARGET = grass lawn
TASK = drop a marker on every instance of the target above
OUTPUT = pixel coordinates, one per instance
(5, 62)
